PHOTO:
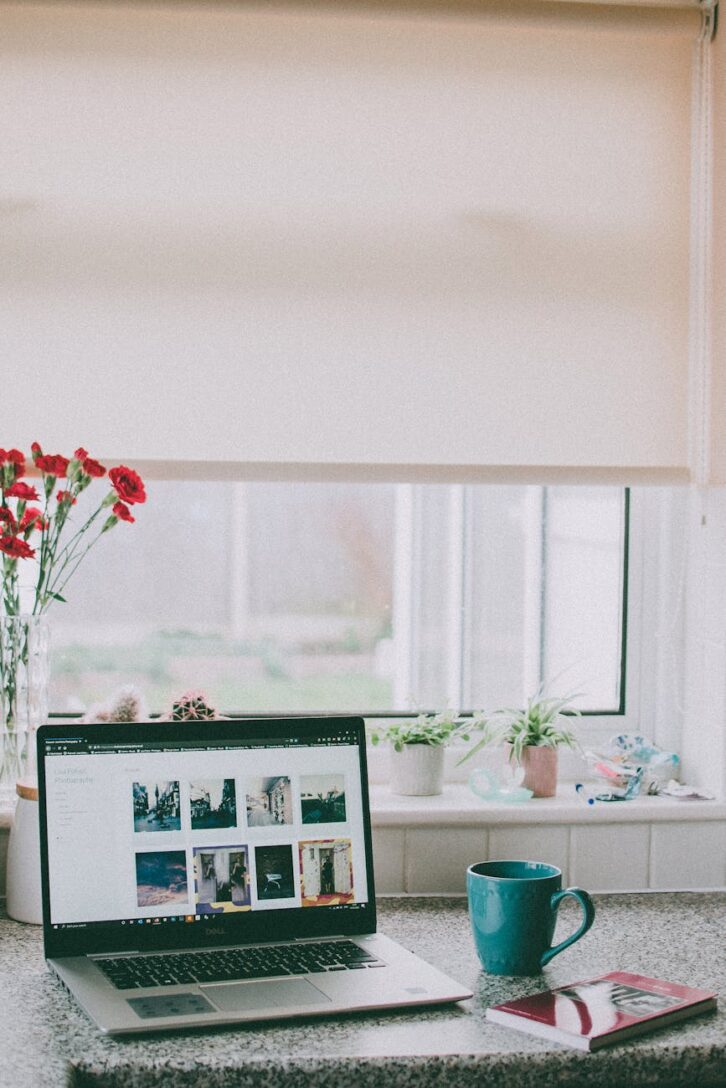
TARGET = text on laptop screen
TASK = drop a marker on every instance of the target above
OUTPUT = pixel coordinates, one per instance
(156, 832)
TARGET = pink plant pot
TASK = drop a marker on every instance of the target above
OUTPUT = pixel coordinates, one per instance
(540, 770)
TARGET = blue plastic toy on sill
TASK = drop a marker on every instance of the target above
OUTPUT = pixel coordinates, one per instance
(486, 785)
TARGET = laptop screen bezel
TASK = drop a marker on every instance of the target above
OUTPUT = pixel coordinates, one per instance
(277, 925)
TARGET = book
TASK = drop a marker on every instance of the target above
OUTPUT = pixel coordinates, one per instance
(604, 1010)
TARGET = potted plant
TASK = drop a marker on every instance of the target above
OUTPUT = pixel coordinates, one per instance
(533, 734)
(417, 750)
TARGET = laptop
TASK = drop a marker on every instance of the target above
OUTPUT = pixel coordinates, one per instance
(205, 873)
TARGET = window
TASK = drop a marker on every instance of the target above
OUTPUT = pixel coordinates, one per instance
(371, 598)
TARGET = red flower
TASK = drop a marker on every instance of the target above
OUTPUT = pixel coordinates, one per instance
(128, 484)
(32, 518)
(52, 463)
(81, 454)
(122, 512)
(91, 467)
(19, 490)
(18, 459)
(16, 548)
(65, 496)
(8, 517)
(35, 450)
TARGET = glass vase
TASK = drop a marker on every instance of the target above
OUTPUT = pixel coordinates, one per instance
(24, 675)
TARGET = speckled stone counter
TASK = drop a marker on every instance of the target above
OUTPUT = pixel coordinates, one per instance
(47, 1041)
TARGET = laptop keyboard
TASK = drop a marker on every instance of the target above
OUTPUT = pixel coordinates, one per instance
(227, 964)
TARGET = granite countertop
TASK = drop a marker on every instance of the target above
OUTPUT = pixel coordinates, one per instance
(46, 1040)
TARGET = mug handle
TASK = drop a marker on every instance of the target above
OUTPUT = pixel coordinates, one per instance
(588, 917)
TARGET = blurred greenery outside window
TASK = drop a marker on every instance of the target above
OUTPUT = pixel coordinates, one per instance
(362, 598)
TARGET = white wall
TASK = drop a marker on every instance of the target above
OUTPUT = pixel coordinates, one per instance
(704, 736)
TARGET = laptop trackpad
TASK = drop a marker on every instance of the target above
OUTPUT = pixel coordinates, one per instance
(248, 996)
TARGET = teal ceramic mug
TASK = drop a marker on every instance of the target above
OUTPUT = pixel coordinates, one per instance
(513, 911)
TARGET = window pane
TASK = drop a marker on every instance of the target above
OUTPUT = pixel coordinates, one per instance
(582, 602)
(506, 586)
(342, 597)
(266, 596)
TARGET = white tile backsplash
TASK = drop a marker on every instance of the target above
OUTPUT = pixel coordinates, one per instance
(688, 856)
(610, 858)
(540, 843)
(388, 858)
(437, 860)
(602, 857)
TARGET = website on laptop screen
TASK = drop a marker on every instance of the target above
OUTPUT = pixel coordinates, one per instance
(162, 833)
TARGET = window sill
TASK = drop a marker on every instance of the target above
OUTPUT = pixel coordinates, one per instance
(457, 806)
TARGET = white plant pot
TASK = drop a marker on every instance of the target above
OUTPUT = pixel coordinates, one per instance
(418, 770)
(23, 873)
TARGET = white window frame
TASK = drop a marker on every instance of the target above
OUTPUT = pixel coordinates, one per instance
(654, 677)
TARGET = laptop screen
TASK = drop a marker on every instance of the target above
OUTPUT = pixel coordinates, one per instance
(159, 835)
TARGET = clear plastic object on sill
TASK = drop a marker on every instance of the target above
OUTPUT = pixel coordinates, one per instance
(631, 765)
(486, 785)
(686, 793)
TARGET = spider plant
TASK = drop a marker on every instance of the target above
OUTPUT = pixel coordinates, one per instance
(542, 723)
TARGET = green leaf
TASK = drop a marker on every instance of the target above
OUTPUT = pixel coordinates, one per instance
(57, 597)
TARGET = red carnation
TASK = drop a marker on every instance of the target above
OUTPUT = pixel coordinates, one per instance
(122, 512)
(128, 484)
(18, 459)
(81, 454)
(16, 548)
(35, 450)
(65, 496)
(8, 517)
(91, 467)
(32, 518)
(52, 463)
(19, 490)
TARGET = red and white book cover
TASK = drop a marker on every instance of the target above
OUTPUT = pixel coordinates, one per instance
(603, 1010)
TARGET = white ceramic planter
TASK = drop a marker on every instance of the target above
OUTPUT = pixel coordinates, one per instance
(23, 873)
(418, 770)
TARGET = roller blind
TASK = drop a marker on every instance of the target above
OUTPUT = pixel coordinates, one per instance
(368, 241)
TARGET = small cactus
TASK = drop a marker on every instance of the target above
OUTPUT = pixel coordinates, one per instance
(192, 706)
(127, 705)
